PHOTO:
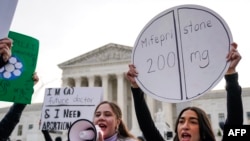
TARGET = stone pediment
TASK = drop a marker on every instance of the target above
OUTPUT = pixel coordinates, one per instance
(109, 53)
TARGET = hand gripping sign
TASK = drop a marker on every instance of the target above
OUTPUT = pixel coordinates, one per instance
(181, 53)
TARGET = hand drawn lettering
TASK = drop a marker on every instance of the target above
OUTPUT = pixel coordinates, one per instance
(197, 27)
(201, 58)
(161, 62)
(156, 39)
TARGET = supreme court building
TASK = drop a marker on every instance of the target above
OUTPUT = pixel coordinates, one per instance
(106, 67)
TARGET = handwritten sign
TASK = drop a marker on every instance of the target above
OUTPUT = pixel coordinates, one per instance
(181, 53)
(16, 83)
(63, 106)
(7, 10)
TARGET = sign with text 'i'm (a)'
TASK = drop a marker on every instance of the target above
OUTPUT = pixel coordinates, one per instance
(63, 106)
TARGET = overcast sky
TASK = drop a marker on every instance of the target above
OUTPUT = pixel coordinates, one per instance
(68, 28)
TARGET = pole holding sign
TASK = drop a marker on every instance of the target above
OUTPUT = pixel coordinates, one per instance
(181, 53)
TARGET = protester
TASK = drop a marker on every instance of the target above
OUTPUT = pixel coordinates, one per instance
(192, 123)
(12, 117)
(108, 117)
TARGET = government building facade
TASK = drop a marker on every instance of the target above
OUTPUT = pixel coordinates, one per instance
(106, 67)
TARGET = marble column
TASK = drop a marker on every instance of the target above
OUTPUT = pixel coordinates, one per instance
(78, 81)
(91, 80)
(167, 108)
(121, 96)
(64, 82)
(105, 86)
(151, 105)
(135, 130)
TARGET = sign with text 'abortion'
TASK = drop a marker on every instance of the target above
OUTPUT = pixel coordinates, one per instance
(63, 106)
(181, 53)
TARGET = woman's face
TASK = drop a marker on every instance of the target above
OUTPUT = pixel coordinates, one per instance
(188, 126)
(106, 119)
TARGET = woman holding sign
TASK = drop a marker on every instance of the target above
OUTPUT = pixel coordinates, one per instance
(108, 117)
(192, 123)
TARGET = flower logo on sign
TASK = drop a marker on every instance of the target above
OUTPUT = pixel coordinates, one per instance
(13, 69)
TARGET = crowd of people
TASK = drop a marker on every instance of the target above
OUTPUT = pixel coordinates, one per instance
(192, 123)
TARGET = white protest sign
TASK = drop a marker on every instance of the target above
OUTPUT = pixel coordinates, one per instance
(7, 10)
(181, 53)
(63, 106)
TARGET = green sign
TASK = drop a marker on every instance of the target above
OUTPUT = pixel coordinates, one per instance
(16, 83)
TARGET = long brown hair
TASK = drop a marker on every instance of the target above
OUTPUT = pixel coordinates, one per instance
(206, 132)
(123, 131)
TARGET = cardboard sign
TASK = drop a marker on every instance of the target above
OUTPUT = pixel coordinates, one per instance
(63, 106)
(16, 83)
(181, 53)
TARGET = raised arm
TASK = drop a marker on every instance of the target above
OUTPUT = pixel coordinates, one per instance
(143, 115)
(234, 100)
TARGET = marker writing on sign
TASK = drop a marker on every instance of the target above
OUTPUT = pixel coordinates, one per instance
(191, 28)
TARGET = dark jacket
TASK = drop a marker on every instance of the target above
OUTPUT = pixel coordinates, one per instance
(10, 120)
